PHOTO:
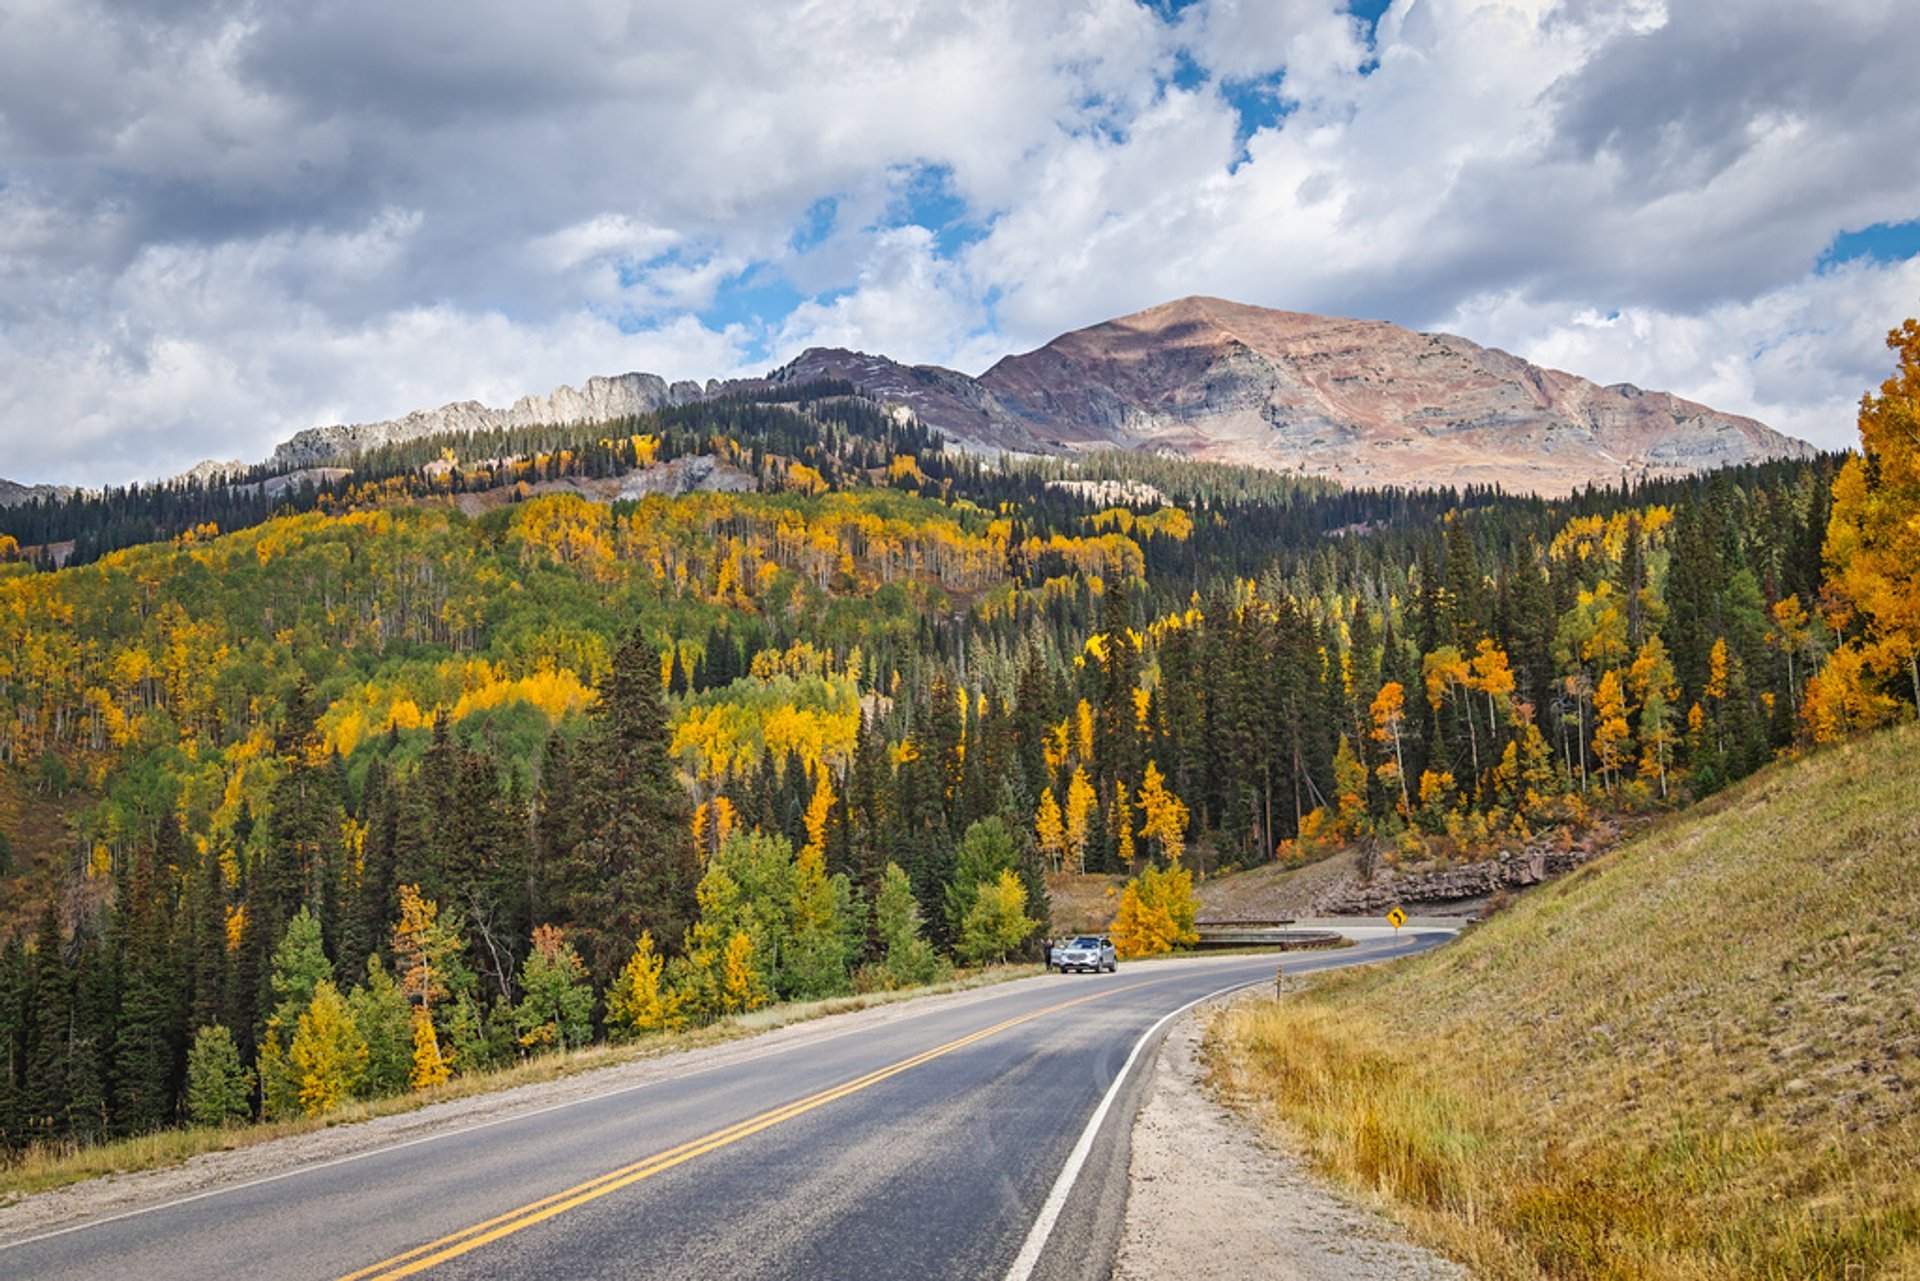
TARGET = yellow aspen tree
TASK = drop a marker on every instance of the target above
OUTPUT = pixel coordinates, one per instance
(1139, 929)
(741, 987)
(1083, 730)
(1792, 635)
(423, 948)
(1389, 713)
(1156, 913)
(1122, 824)
(1446, 672)
(818, 811)
(1165, 815)
(429, 1065)
(1049, 831)
(328, 1053)
(635, 1003)
(1652, 682)
(1493, 676)
(997, 921)
(1080, 802)
(1350, 789)
(1873, 533)
(1611, 738)
(1842, 697)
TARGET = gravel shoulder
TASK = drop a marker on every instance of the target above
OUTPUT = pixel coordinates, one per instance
(1212, 1197)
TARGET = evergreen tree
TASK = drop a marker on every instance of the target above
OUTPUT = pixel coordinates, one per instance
(633, 870)
(219, 1089)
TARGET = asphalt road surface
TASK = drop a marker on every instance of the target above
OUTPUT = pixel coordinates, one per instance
(929, 1147)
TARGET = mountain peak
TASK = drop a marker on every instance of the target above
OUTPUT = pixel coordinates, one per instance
(1363, 402)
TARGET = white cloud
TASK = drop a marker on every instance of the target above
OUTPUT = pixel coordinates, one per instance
(1798, 357)
(221, 223)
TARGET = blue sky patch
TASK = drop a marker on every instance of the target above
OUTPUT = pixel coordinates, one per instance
(816, 224)
(1370, 12)
(755, 299)
(928, 199)
(1257, 104)
(1882, 242)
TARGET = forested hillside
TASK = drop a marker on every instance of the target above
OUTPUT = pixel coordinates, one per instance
(464, 756)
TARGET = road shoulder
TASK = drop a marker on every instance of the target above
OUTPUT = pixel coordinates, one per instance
(1211, 1197)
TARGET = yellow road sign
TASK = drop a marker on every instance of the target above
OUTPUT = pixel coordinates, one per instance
(1396, 918)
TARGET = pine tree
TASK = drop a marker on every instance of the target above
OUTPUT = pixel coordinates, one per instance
(48, 1031)
(206, 942)
(144, 1047)
(219, 1089)
(634, 870)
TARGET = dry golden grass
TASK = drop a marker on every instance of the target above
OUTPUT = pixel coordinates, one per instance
(1697, 1057)
(41, 1168)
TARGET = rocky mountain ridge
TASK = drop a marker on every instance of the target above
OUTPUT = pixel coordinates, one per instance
(1358, 401)
(1361, 402)
(600, 399)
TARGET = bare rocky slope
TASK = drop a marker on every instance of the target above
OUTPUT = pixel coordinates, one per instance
(1360, 401)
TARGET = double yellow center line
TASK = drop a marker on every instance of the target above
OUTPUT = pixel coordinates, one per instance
(434, 1253)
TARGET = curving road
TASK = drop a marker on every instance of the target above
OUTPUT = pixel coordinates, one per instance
(955, 1142)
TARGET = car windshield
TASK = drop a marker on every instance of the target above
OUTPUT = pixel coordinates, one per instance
(1085, 943)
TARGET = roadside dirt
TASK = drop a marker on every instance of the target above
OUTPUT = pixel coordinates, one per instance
(1212, 1198)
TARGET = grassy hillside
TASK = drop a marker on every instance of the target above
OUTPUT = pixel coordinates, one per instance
(1697, 1057)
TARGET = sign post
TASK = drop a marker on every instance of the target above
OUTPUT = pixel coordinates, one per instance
(1396, 918)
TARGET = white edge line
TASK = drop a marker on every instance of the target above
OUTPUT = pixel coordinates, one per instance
(1029, 1256)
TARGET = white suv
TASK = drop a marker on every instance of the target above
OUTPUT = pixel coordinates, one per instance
(1088, 952)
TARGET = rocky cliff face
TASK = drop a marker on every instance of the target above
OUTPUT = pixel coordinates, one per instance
(600, 400)
(1362, 402)
(12, 492)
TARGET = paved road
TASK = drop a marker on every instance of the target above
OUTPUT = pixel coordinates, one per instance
(925, 1148)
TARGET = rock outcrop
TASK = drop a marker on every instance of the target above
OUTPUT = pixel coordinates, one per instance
(13, 492)
(599, 400)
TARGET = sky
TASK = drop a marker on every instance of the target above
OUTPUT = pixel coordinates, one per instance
(223, 221)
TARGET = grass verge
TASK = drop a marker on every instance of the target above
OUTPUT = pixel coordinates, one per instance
(41, 1169)
(1697, 1057)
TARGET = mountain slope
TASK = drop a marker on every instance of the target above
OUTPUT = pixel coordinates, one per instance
(1364, 402)
(1359, 401)
(1697, 1057)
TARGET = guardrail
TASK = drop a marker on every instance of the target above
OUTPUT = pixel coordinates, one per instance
(1280, 940)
